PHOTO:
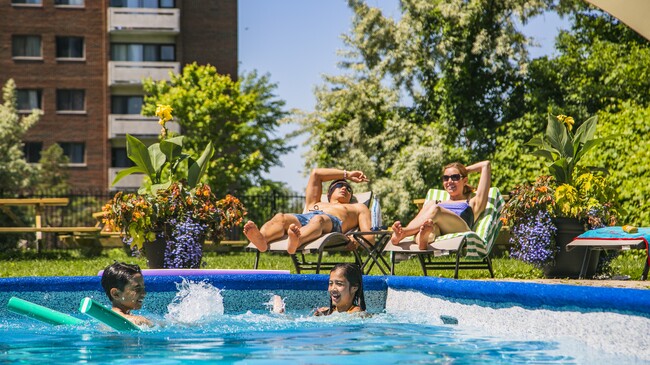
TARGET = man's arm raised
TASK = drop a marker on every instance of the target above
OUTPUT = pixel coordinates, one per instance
(320, 175)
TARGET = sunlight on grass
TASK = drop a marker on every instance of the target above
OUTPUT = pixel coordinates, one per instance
(73, 263)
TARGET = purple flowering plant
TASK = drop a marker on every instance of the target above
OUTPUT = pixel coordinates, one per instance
(529, 213)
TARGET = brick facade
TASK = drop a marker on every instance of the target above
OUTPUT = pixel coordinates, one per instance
(208, 35)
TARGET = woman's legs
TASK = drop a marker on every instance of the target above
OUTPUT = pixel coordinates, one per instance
(442, 221)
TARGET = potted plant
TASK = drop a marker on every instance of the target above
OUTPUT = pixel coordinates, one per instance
(551, 212)
(172, 213)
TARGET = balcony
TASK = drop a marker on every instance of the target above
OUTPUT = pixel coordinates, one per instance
(137, 125)
(130, 182)
(144, 21)
(132, 73)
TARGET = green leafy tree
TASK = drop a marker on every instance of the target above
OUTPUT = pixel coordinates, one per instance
(52, 174)
(238, 118)
(419, 92)
(15, 172)
(600, 69)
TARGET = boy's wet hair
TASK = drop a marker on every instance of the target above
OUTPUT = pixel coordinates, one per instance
(117, 275)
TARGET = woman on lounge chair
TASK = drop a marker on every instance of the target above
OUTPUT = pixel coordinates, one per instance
(454, 215)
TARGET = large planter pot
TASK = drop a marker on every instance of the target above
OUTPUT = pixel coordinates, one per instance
(568, 264)
(185, 256)
(155, 253)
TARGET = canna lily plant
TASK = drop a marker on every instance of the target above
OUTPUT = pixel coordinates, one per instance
(532, 208)
(167, 153)
(175, 207)
(563, 148)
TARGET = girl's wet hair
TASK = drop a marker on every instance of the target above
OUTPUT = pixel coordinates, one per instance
(117, 275)
(467, 189)
(354, 275)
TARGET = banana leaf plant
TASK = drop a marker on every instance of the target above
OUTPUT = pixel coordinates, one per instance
(563, 148)
(153, 160)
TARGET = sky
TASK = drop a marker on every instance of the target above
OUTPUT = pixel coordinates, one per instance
(295, 42)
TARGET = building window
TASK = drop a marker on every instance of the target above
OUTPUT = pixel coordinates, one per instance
(76, 151)
(119, 158)
(143, 52)
(142, 4)
(32, 151)
(29, 99)
(123, 104)
(69, 47)
(27, 2)
(26, 46)
(70, 100)
(69, 2)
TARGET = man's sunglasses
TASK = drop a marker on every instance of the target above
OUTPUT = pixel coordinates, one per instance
(340, 185)
(454, 177)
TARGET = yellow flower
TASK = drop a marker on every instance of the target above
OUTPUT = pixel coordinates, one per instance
(568, 121)
(164, 113)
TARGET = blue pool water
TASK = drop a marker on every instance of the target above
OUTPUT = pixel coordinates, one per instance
(226, 319)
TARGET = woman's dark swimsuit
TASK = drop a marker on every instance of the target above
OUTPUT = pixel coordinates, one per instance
(463, 210)
(306, 217)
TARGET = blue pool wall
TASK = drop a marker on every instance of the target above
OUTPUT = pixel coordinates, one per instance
(302, 292)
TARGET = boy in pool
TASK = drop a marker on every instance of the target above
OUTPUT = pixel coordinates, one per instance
(346, 291)
(124, 286)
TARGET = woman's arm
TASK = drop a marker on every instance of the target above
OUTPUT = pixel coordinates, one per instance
(479, 202)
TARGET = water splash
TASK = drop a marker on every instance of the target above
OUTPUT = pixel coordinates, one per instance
(195, 302)
(275, 304)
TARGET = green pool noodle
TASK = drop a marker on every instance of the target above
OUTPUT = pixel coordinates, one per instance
(40, 312)
(105, 315)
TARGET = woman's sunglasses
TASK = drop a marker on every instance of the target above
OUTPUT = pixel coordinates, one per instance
(454, 177)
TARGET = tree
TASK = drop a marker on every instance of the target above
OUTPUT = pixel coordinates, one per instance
(15, 172)
(52, 174)
(601, 69)
(419, 92)
(239, 118)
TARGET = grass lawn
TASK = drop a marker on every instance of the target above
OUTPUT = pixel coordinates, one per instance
(72, 263)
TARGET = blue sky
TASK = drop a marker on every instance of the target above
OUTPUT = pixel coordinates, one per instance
(295, 41)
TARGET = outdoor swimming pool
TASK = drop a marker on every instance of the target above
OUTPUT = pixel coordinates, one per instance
(225, 318)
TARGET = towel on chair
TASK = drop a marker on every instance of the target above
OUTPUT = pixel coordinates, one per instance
(617, 233)
(609, 233)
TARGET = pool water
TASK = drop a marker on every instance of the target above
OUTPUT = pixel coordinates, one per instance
(266, 338)
(228, 320)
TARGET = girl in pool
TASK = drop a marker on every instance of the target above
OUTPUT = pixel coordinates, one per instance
(124, 286)
(346, 291)
(454, 215)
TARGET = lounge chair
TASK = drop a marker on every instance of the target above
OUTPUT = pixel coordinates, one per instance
(474, 245)
(329, 242)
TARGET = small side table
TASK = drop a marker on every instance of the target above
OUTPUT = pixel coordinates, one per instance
(374, 251)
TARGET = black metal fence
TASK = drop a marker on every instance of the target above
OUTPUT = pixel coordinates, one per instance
(83, 203)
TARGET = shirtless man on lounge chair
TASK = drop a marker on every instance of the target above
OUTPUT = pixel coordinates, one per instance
(336, 215)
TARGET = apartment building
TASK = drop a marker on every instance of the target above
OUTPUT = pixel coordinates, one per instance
(82, 63)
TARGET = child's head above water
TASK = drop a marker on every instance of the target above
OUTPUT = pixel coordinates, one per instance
(346, 289)
(124, 286)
